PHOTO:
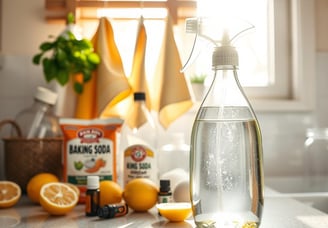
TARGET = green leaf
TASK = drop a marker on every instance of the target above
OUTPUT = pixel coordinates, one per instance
(70, 18)
(76, 54)
(46, 46)
(65, 65)
(78, 87)
(60, 55)
(49, 69)
(37, 58)
(83, 58)
(70, 36)
(60, 40)
(87, 75)
(85, 44)
(94, 58)
(62, 77)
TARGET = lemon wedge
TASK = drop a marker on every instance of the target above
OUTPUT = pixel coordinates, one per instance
(175, 212)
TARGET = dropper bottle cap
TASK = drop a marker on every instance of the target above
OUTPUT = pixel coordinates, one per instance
(139, 96)
(106, 212)
(165, 186)
(92, 182)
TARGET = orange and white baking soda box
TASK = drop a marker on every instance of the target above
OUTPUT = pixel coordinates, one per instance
(89, 148)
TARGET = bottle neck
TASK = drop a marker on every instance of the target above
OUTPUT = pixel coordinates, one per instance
(139, 115)
(225, 67)
(141, 106)
(225, 98)
(225, 89)
(40, 105)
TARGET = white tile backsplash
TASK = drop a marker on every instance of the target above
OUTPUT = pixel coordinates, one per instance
(283, 133)
(322, 89)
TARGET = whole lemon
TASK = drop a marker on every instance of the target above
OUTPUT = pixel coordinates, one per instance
(140, 194)
(35, 184)
(110, 192)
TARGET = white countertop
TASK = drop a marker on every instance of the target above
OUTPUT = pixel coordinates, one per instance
(278, 213)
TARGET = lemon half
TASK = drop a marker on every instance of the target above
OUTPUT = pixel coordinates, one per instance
(175, 212)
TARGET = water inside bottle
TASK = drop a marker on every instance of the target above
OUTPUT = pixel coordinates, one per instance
(226, 180)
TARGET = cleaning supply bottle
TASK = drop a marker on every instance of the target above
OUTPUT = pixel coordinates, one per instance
(139, 142)
(226, 172)
(39, 120)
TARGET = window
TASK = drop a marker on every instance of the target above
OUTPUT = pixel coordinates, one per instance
(281, 79)
(292, 45)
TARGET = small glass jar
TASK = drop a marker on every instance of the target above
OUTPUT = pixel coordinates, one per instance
(316, 154)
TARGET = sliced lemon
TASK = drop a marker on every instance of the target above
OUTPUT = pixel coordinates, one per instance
(58, 198)
(175, 212)
(35, 183)
(10, 193)
(75, 188)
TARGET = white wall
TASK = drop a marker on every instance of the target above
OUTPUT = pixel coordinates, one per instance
(24, 28)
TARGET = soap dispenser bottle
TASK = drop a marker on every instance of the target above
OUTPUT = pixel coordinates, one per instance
(226, 172)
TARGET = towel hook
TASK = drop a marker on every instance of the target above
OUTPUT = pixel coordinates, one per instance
(142, 6)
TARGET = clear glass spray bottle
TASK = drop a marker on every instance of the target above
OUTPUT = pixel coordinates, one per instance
(226, 173)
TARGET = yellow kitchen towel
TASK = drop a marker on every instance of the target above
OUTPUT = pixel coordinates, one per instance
(137, 79)
(171, 96)
(109, 84)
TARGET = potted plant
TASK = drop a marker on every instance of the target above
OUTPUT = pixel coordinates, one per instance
(197, 84)
(66, 57)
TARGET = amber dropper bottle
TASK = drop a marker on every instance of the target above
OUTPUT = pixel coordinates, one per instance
(92, 196)
(113, 210)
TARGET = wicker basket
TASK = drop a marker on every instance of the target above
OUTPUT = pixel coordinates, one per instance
(25, 158)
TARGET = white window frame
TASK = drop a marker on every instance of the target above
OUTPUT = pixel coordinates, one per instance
(302, 74)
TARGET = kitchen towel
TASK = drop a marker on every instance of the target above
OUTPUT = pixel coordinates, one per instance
(137, 78)
(109, 84)
(171, 96)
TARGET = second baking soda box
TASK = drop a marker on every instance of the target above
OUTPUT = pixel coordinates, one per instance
(89, 150)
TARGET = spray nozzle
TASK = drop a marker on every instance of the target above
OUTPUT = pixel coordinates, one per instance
(225, 39)
(216, 32)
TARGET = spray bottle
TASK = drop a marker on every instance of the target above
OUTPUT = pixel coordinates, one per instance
(226, 172)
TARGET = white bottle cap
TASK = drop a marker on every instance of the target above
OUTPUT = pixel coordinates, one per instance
(92, 182)
(46, 95)
(225, 55)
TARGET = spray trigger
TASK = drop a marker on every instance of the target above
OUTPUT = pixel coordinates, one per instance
(209, 30)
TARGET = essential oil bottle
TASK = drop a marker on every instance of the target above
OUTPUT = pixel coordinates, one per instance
(92, 196)
(165, 194)
(113, 210)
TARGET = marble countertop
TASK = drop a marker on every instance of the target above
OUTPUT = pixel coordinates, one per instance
(278, 213)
